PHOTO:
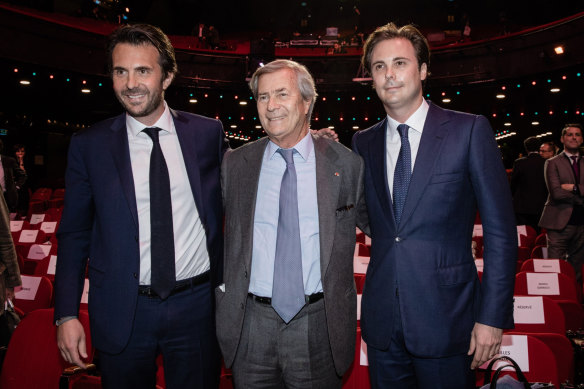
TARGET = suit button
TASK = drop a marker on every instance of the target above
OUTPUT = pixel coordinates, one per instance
(245, 275)
(135, 275)
(397, 239)
(242, 306)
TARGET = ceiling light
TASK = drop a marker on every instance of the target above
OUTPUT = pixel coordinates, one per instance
(24, 82)
(500, 96)
(559, 50)
(193, 101)
(555, 90)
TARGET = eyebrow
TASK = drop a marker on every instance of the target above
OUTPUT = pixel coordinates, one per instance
(277, 90)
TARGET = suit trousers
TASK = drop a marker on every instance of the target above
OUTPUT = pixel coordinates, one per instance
(569, 243)
(396, 368)
(181, 328)
(273, 354)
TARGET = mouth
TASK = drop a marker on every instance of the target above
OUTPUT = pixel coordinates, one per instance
(275, 118)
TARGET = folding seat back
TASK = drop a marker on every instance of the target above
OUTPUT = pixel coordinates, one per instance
(538, 314)
(36, 293)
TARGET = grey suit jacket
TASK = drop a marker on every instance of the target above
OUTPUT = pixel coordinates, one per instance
(341, 207)
(560, 202)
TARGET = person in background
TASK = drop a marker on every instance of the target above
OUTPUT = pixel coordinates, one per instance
(23, 194)
(11, 179)
(528, 185)
(548, 150)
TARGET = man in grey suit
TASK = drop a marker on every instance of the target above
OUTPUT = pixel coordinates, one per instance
(286, 315)
(563, 214)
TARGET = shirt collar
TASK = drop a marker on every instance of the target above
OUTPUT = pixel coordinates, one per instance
(164, 122)
(571, 155)
(304, 147)
(415, 122)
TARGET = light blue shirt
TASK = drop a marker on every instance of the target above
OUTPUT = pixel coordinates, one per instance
(266, 218)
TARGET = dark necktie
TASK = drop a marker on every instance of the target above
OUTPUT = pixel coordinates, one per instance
(288, 287)
(163, 278)
(402, 173)
(576, 168)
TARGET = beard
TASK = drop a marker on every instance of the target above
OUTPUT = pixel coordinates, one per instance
(153, 101)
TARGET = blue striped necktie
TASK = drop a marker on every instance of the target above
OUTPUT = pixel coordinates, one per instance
(402, 173)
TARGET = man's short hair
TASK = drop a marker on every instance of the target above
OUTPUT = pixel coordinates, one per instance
(532, 144)
(566, 126)
(144, 34)
(391, 31)
(303, 78)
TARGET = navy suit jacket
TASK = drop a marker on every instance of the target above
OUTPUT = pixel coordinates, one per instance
(427, 258)
(100, 220)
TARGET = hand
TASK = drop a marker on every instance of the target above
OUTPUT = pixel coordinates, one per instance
(10, 294)
(568, 187)
(71, 342)
(327, 133)
(485, 342)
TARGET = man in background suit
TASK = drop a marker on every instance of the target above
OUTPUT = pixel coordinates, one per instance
(426, 318)
(290, 200)
(143, 202)
(528, 185)
(563, 215)
(11, 179)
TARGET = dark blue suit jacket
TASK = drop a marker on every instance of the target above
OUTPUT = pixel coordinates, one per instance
(100, 220)
(427, 259)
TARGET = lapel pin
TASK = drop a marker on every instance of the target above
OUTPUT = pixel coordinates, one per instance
(337, 174)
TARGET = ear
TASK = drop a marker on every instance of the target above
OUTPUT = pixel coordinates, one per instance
(166, 83)
(423, 71)
(306, 106)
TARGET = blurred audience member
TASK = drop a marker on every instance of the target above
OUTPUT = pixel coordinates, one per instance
(563, 215)
(11, 179)
(23, 195)
(548, 150)
(528, 185)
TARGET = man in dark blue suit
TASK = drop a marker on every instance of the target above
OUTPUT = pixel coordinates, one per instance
(426, 318)
(143, 202)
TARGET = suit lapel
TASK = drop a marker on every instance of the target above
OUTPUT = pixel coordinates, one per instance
(121, 155)
(328, 184)
(186, 133)
(248, 181)
(430, 145)
(377, 152)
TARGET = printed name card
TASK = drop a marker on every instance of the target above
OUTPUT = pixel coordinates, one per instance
(546, 265)
(37, 218)
(39, 251)
(16, 225)
(363, 360)
(521, 230)
(477, 230)
(515, 347)
(28, 236)
(528, 310)
(479, 263)
(52, 265)
(359, 307)
(85, 295)
(367, 241)
(543, 284)
(30, 286)
(360, 264)
(48, 227)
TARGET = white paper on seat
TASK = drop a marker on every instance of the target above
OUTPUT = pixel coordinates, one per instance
(37, 218)
(528, 310)
(546, 265)
(30, 286)
(359, 307)
(16, 225)
(48, 227)
(85, 295)
(28, 236)
(515, 347)
(479, 263)
(363, 360)
(543, 284)
(360, 264)
(52, 265)
(367, 241)
(477, 230)
(39, 251)
(521, 230)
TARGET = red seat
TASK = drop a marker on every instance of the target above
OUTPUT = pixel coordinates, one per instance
(565, 267)
(541, 239)
(574, 314)
(41, 300)
(554, 320)
(567, 286)
(33, 359)
(539, 251)
(361, 250)
(357, 377)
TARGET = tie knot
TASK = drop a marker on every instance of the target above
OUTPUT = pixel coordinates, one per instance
(287, 154)
(402, 129)
(152, 132)
(574, 158)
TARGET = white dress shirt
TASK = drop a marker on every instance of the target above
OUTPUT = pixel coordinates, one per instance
(393, 140)
(190, 244)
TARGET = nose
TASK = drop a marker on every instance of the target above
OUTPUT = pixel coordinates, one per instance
(389, 73)
(131, 81)
(272, 104)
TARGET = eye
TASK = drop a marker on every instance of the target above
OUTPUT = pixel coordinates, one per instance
(400, 63)
(378, 66)
(119, 72)
(262, 98)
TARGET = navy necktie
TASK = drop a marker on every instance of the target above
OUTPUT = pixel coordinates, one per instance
(288, 288)
(402, 173)
(163, 278)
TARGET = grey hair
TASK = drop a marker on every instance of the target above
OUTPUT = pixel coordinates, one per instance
(303, 78)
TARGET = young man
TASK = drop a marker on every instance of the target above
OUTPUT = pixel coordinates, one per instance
(426, 318)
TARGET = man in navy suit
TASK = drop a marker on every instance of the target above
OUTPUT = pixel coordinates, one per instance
(108, 217)
(426, 318)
